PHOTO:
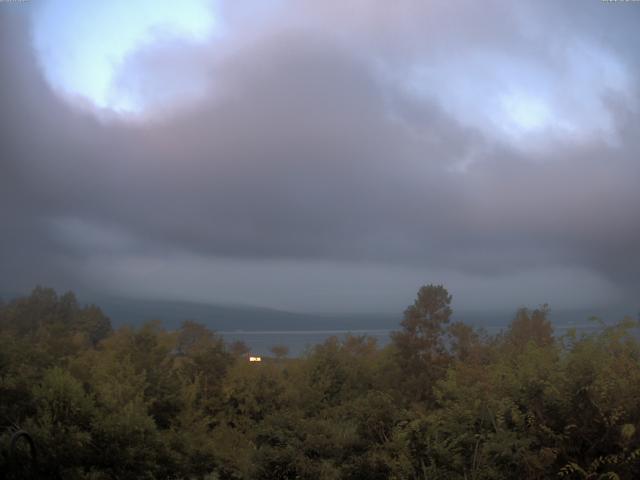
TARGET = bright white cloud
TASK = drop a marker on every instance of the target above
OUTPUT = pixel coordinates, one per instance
(525, 111)
(511, 98)
(81, 44)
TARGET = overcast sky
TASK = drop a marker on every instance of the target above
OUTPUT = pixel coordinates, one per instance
(322, 156)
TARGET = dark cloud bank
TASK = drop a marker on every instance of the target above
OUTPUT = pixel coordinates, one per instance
(310, 177)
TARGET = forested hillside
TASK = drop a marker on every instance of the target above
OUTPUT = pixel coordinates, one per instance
(442, 401)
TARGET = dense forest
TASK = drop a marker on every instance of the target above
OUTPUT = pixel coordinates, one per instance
(442, 401)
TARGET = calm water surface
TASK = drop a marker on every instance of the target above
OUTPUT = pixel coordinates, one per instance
(299, 341)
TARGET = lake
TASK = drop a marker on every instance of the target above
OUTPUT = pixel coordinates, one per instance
(298, 341)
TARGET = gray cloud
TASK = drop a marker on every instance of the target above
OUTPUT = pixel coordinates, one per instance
(305, 150)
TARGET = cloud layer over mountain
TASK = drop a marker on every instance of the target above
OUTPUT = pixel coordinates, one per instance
(318, 156)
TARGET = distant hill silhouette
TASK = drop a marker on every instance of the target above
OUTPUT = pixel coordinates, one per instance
(229, 318)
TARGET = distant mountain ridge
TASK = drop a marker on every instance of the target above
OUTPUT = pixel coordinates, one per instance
(218, 317)
(230, 318)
